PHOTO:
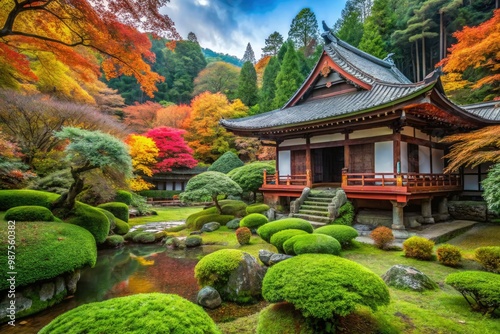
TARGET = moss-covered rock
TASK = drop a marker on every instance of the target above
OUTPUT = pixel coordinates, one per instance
(114, 241)
(344, 234)
(279, 238)
(91, 219)
(312, 243)
(193, 241)
(144, 238)
(257, 208)
(221, 219)
(266, 231)
(29, 213)
(233, 207)
(119, 210)
(121, 227)
(137, 314)
(282, 318)
(253, 221)
(110, 217)
(123, 196)
(233, 224)
(190, 221)
(408, 278)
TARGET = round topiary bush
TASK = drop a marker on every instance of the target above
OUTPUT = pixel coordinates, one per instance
(226, 163)
(344, 234)
(123, 196)
(482, 287)
(418, 248)
(243, 235)
(253, 220)
(119, 210)
(144, 238)
(489, 257)
(382, 237)
(336, 286)
(282, 318)
(449, 255)
(215, 268)
(266, 231)
(279, 238)
(233, 207)
(29, 213)
(257, 208)
(136, 314)
(190, 220)
(312, 243)
(91, 219)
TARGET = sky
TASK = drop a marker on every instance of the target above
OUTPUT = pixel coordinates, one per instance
(227, 26)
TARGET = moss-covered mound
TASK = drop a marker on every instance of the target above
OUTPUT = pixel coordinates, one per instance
(123, 196)
(114, 241)
(266, 231)
(345, 215)
(29, 213)
(121, 227)
(144, 238)
(91, 219)
(221, 219)
(312, 243)
(282, 318)
(336, 287)
(257, 208)
(190, 221)
(137, 314)
(215, 268)
(344, 234)
(12, 198)
(47, 249)
(253, 220)
(278, 239)
(119, 210)
(233, 207)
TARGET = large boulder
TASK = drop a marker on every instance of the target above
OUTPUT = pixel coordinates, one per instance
(468, 210)
(209, 297)
(408, 278)
(210, 227)
(269, 258)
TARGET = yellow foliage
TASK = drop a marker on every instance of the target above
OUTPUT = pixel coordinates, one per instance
(144, 152)
(137, 183)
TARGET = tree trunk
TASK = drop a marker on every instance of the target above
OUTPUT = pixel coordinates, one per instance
(417, 59)
(67, 200)
(424, 72)
(441, 36)
(217, 205)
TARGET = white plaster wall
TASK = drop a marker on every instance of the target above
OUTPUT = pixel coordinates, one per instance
(384, 157)
(292, 142)
(424, 159)
(421, 135)
(327, 138)
(284, 167)
(471, 182)
(407, 131)
(437, 161)
(370, 133)
(404, 157)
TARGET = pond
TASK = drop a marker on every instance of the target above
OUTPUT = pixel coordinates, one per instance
(132, 270)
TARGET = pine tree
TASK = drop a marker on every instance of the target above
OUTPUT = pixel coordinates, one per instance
(192, 37)
(273, 44)
(249, 55)
(289, 77)
(247, 84)
(372, 42)
(304, 28)
(349, 27)
(268, 90)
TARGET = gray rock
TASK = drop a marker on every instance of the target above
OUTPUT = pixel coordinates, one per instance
(173, 243)
(193, 241)
(468, 210)
(47, 291)
(60, 287)
(275, 258)
(209, 297)
(71, 281)
(195, 233)
(408, 278)
(233, 224)
(210, 227)
(270, 258)
(245, 282)
(22, 303)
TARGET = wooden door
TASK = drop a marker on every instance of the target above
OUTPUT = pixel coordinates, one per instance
(299, 162)
(362, 158)
(317, 165)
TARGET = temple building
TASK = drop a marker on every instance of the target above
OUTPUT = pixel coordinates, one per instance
(358, 123)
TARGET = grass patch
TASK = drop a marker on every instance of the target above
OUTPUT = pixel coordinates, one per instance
(166, 214)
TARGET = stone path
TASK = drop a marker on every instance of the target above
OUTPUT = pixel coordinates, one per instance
(156, 227)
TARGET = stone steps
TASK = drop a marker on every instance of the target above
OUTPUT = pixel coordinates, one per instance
(316, 204)
(314, 218)
(313, 212)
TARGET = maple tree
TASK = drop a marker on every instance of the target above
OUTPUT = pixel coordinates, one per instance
(173, 116)
(13, 173)
(143, 152)
(141, 117)
(217, 77)
(107, 27)
(173, 151)
(260, 67)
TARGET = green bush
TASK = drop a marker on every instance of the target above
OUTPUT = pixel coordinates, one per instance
(136, 314)
(214, 269)
(279, 238)
(29, 214)
(46, 250)
(282, 318)
(119, 210)
(190, 220)
(233, 207)
(123, 196)
(243, 235)
(221, 219)
(418, 248)
(253, 220)
(159, 194)
(346, 215)
(257, 208)
(312, 243)
(344, 234)
(121, 227)
(226, 163)
(12, 198)
(322, 285)
(382, 237)
(140, 204)
(144, 238)
(91, 219)
(114, 241)
(489, 257)
(266, 231)
(482, 287)
(56, 182)
(449, 255)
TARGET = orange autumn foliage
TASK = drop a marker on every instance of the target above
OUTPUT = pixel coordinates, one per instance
(173, 116)
(141, 117)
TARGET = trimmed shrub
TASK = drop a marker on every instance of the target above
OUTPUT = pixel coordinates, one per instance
(279, 238)
(489, 257)
(12, 198)
(449, 255)
(282, 318)
(29, 214)
(481, 287)
(233, 207)
(382, 237)
(159, 194)
(312, 243)
(215, 268)
(346, 215)
(192, 218)
(114, 241)
(418, 248)
(226, 163)
(91, 219)
(110, 217)
(144, 238)
(344, 234)
(47, 250)
(123, 196)
(336, 286)
(257, 208)
(136, 314)
(253, 220)
(121, 227)
(266, 231)
(243, 235)
(221, 219)
(119, 210)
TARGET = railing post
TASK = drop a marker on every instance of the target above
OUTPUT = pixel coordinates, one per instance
(399, 180)
(277, 178)
(308, 178)
(344, 177)
(264, 175)
(288, 180)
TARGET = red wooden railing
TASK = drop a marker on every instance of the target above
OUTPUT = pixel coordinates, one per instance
(410, 180)
(287, 180)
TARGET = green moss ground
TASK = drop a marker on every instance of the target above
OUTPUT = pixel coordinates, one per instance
(166, 214)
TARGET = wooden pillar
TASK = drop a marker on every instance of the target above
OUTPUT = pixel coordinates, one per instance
(397, 152)
(347, 155)
(308, 162)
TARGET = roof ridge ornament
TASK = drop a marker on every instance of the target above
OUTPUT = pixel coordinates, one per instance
(389, 59)
(327, 35)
